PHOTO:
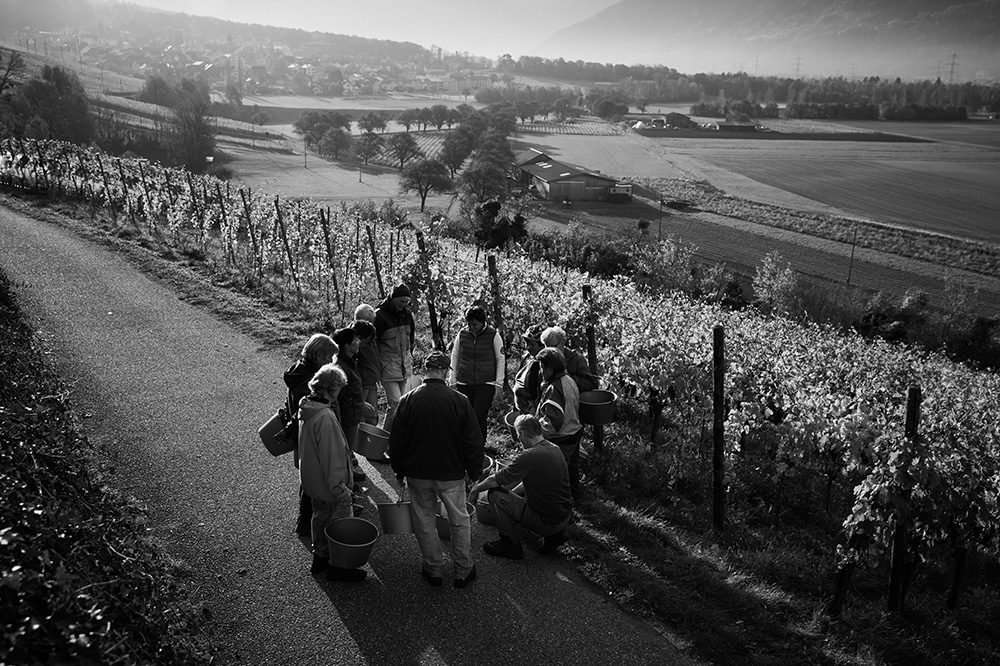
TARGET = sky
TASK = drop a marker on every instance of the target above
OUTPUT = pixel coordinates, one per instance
(487, 28)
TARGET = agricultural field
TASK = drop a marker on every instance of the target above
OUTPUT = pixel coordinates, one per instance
(951, 188)
(583, 128)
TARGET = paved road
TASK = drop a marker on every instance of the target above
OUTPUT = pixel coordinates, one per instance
(176, 396)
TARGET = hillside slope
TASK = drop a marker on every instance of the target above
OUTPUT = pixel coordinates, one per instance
(907, 38)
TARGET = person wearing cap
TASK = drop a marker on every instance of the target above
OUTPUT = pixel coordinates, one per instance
(527, 380)
(434, 445)
(394, 335)
(532, 493)
(576, 365)
(478, 363)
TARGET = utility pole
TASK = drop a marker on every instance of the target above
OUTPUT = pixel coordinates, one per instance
(951, 73)
(798, 66)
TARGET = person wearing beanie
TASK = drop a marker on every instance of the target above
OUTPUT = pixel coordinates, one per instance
(478, 364)
(434, 446)
(394, 335)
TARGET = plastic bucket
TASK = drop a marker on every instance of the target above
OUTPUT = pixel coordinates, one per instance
(395, 518)
(484, 513)
(371, 441)
(509, 419)
(269, 436)
(597, 407)
(351, 542)
(488, 468)
(443, 526)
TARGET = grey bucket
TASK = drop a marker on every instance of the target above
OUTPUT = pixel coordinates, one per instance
(351, 542)
(371, 441)
(395, 518)
(443, 526)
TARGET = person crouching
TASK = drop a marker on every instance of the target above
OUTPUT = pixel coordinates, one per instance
(532, 494)
(325, 466)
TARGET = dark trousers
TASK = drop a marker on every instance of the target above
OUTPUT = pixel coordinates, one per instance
(481, 397)
(570, 447)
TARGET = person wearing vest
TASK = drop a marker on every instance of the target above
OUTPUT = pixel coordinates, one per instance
(558, 411)
(478, 364)
(394, 334)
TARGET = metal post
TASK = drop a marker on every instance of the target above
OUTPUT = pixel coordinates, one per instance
(850, 267)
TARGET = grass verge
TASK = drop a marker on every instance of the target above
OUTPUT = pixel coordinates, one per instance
(80, 583)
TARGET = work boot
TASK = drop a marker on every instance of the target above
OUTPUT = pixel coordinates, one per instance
(346, 575)
(463, 582)
(552, 543)
(319, 565)
(504, 547)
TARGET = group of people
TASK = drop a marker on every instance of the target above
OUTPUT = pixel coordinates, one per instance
(437, 433)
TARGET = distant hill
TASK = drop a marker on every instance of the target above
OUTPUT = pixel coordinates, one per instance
(146, 24)
(913, 39)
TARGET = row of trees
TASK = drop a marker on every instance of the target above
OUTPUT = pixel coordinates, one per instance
(642, 84)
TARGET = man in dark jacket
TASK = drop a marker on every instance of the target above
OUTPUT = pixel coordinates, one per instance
(435, 444)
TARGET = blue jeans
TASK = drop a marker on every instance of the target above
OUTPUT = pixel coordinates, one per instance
(393, 392)
(481, 398)
(325, 513)
(512, 512)
(424, 496)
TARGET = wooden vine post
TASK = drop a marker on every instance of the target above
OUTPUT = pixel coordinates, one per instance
(324, 222)
(128, 202)
(378, 268)
(900, 567)
(288, 248)
(436, 334)
(491, 264)
(718, 428)
(107, 192)
(588, 295)
(257, 256)
(229, 243)
(45, 171)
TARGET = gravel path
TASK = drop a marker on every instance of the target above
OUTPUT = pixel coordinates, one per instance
(175, 396)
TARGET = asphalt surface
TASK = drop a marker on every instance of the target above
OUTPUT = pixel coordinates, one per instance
(175, 395)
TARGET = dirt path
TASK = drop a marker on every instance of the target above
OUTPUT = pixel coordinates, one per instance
(175, 396)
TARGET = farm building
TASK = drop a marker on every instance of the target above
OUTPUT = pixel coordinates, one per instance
(561, 182)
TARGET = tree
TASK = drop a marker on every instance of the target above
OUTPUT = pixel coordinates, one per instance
(455, 151)
(403, 147)
(425, 117)
(371, 122)
(333, 141)
(484, 180)
(15, 65)
(193, 138)
(439, 115)
(368, 146)
(407, 118)
(55, 106)
(423, 177)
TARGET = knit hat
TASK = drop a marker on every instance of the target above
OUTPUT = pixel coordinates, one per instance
(400, 290)
(534, 332)
(437, 361)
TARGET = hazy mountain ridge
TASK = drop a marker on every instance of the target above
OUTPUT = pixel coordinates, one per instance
(907, 38)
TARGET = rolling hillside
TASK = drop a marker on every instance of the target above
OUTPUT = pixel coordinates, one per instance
(907, 38)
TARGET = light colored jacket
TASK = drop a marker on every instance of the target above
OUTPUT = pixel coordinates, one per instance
(324, 463)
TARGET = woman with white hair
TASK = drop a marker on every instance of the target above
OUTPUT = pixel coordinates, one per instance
(576, 365)
(325, 466)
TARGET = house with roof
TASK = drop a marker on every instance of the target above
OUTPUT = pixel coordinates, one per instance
(557, 181)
